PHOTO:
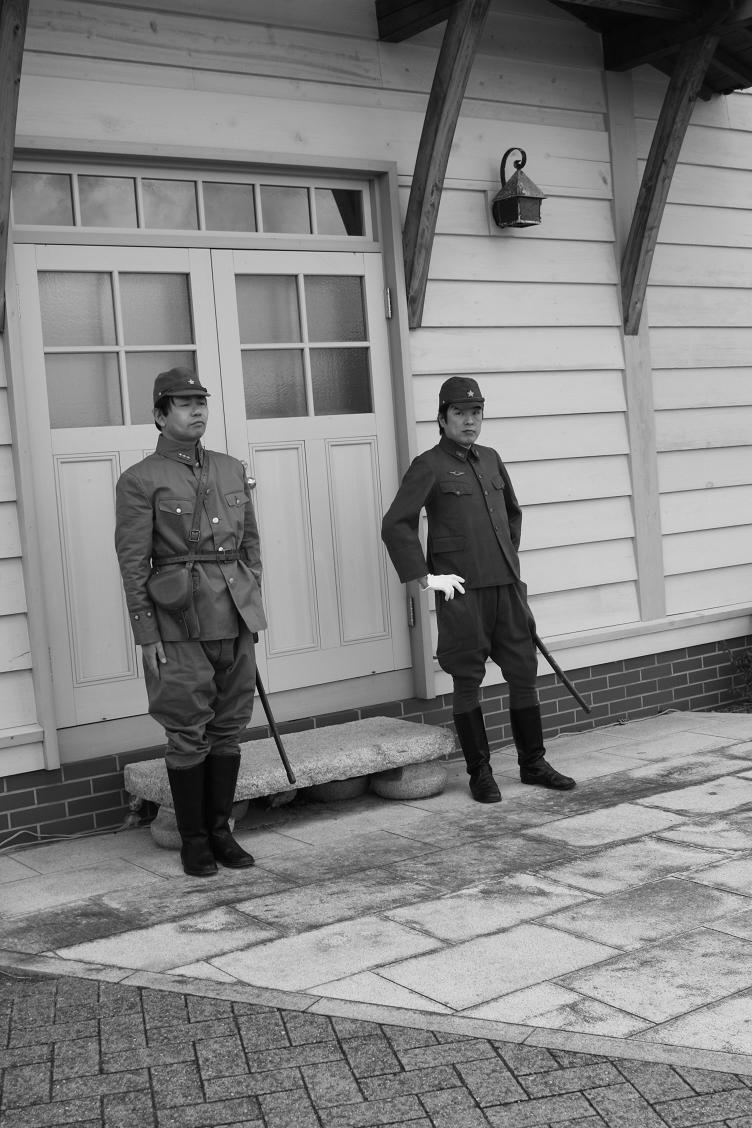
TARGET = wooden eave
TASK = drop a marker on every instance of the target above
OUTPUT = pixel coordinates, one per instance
(704, 46)
(13, 18)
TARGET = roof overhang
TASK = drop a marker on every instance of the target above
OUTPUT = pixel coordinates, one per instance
(704, 46)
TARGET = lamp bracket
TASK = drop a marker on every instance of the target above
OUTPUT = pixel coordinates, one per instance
(518, 164)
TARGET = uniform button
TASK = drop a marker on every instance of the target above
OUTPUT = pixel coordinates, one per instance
(178, 510)
(148, 614)
(215, 520)
(136, 617)
(231, 581)
(220, 550)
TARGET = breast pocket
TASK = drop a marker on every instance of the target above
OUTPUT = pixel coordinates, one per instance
(179, 506)
(460, 489)
(498, 482)
(236, 499)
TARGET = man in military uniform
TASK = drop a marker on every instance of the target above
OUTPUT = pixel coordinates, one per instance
(188, 549)
(474, 525)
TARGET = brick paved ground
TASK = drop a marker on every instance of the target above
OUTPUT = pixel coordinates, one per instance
(103, 1055)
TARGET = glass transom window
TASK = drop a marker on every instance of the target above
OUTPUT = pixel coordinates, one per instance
(175, 202)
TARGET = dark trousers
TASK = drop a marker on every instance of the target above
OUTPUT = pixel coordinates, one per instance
(487, 623)
(203, 697)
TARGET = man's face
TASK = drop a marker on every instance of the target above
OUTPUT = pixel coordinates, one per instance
(463, 424)
(185, 421)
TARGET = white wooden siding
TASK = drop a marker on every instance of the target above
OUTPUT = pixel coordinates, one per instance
(17, 700)
(701, 342)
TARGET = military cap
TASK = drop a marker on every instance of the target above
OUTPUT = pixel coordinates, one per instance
(178, 382)
(459, 390)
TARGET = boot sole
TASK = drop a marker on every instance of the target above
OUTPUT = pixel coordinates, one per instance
(549, 786)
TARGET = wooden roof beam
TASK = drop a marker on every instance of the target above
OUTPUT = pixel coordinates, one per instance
(678, 10)
(461, 38)
(633, 47)
(683, 90)
(13, 18)
(401, 19)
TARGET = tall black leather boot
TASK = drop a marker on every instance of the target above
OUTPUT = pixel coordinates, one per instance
(474, 744)
(527, 730)
(187, 787)
(221, 777)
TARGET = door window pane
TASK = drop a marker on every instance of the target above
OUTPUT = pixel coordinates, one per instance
(156, 309)
(229, 207)
(170, 204)
(339, 211)
(77, 308)
(83, 390)
(142, 369)
(107, 201)
(274, 384)
(341, 382)
(42, 197)
(268, 308)
(334, 305)
(285, 209)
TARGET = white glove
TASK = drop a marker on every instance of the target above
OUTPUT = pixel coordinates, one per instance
(447, 585)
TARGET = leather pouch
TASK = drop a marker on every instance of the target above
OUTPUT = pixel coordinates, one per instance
(171, 589)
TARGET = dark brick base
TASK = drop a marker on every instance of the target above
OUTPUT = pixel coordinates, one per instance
(88, 796)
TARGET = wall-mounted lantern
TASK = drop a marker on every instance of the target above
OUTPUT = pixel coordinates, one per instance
(518, 204)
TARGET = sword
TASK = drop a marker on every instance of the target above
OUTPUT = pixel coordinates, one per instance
(273, 727)
(560, 673)
(551, 660)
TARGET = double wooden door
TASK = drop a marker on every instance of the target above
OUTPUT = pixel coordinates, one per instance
(292, 347)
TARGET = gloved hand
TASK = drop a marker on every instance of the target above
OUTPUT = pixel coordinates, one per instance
(447, 585)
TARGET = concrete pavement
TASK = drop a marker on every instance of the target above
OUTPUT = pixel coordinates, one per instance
(592, 949)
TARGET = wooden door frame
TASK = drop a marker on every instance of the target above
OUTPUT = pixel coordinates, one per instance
(111, 737)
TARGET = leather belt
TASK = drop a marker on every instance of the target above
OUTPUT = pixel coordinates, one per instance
(198, 558)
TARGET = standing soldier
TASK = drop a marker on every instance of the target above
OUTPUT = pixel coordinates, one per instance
(474, 525)
(188, 548)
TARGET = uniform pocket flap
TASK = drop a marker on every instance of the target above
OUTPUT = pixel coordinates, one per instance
(498, 482)
(447, 544)
(175, 505)
(238, 497)
(455, 487)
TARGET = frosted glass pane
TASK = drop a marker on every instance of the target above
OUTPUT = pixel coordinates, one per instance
(339, 211)
(267, 309)
(107, 201)
(274, 384)
(335, 308)
(141, 370)
(229, 207)
(170, 204)
(77, 308)
(156, 309)
(285, 209)
(42, 197)
(83, 390)
(341, 382)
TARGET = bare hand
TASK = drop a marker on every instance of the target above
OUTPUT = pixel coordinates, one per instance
(153, 655)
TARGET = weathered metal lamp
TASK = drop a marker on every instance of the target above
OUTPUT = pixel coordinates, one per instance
(518, 204)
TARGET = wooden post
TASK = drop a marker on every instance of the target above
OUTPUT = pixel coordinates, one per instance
(13, 17)
(683, 89)
(458, 48)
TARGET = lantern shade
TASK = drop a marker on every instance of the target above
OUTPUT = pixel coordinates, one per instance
(518, 204)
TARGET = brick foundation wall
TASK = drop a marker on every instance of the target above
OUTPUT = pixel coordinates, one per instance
(88, 796)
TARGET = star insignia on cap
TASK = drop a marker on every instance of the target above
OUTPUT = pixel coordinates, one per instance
(471, 394)
(191, 381)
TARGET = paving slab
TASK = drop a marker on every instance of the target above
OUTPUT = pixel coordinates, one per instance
(611, 921)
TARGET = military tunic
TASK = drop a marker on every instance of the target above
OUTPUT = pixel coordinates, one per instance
(474, 528)
(203, 694)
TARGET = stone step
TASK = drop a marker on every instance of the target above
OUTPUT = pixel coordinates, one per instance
(319, 755)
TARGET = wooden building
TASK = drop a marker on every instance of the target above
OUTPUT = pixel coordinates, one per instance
(296, 198)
